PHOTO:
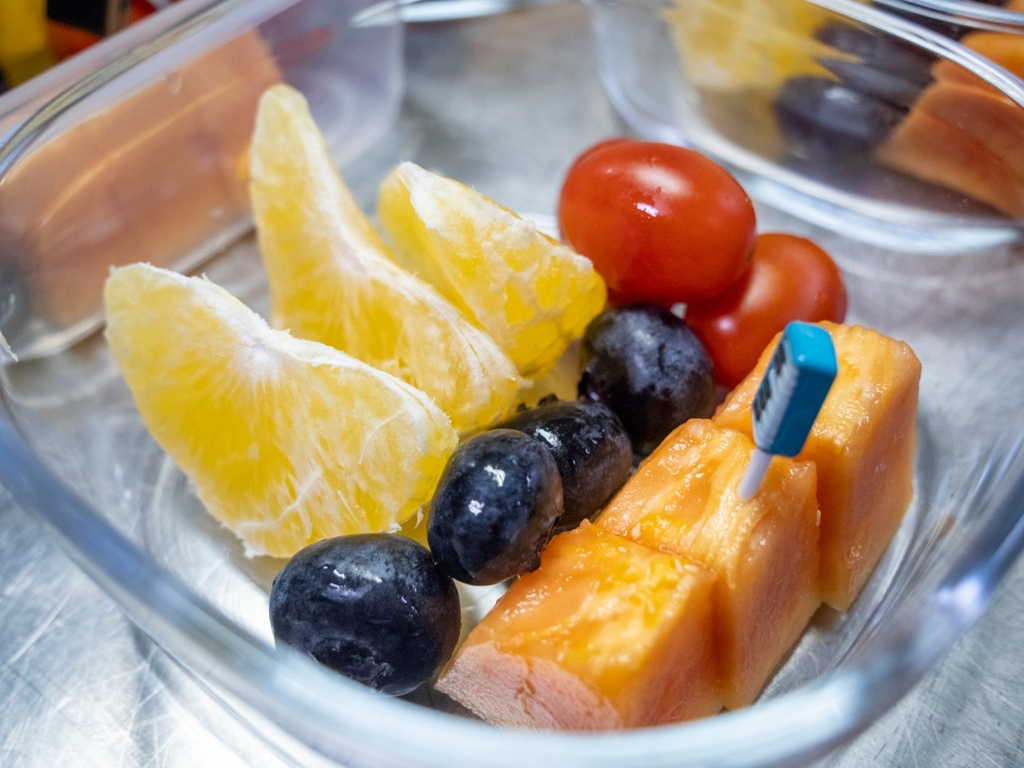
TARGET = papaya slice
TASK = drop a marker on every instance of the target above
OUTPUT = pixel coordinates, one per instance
(684, 500)
(862, 444)
(605, 634)
(966, 138)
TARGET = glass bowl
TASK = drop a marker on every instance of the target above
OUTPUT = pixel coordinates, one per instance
(505, 105)
(839, 113)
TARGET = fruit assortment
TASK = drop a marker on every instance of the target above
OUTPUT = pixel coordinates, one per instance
(641, 596)
(813, 532)
(932, 119)
(831, 92)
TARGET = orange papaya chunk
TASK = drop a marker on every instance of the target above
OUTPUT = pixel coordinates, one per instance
(605, 634)
(684, 500)
(965, 138)
(863, 445)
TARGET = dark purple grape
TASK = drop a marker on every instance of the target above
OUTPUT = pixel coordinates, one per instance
(879, 50)
(494, 508)
(822, 118)
(373, 607)
(591, 448)
(645, 364)
(877, 83)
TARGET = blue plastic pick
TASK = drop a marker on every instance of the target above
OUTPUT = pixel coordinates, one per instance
(792, 391)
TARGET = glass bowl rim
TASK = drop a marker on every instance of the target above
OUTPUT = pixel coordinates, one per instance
(965, 12)
(289, 690)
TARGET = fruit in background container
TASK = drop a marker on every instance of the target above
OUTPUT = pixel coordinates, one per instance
(877, 50)
(590, 446)
(159, 175)
(963, 133)
(862, 444)
(645, 364)
(684, 500)
(965, 138)
(373, 607)
(1004, 49)
(332, 279)
(872, 80)
(661, 223)
(737, 45)
(891, 88)
(287, 441)
(605, 634)
(822, 118)
(530, 292)
(790, 278)
(495, 507)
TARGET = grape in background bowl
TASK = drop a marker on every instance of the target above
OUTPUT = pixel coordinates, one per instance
(842, 114)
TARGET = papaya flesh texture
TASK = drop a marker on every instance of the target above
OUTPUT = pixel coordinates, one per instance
(605, 634)
(862, 444)
(684, 500)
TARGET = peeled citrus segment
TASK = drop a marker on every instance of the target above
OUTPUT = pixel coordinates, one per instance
(332, 278)
(734, 45)
(530, 292)
(287, 441)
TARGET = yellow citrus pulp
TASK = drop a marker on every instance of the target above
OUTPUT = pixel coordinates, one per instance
(287, 441)
(735, 45)
(530, 292)
(333, 280)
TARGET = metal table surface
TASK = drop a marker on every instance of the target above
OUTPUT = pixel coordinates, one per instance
(80, 686)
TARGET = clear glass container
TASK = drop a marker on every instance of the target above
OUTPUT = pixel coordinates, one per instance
(843, 115)
(505, 109)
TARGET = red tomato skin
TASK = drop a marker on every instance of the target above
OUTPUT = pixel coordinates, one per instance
(601, 145)
(790, 278)
(661, 223)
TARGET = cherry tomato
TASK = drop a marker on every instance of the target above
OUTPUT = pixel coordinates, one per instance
(790, 278)
(661, 223)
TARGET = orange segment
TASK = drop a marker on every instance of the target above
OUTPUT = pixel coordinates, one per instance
(684, 500)
(287, 441)
(862, 443)
(530, 292)
(605, 634)
(332, 278)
